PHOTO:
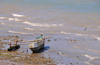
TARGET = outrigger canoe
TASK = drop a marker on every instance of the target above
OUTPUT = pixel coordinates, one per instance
(35, 45)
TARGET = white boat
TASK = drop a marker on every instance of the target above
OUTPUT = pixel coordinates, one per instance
(37, 44)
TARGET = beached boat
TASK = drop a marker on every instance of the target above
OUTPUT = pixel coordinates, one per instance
(37, 44)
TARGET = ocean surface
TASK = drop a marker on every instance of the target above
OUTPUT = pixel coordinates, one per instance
(74, 26)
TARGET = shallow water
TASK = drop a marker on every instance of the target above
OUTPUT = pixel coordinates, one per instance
(74, 26)
(67, 48)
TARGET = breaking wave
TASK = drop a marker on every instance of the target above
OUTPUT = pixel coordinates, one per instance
(29, 29)
(32, 24)
(2, 17)
(93, 50)
(92, 36)
(90, 58)
(14, 19)
(17, 32)
(62, 32)
(3, 23)
(11, 19)
(98, 38)
(32, 29)
(41, 25)
(17, 15)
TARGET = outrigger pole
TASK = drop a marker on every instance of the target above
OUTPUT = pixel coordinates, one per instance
(29, 41)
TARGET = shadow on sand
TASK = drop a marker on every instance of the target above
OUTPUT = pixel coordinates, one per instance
(43, 49)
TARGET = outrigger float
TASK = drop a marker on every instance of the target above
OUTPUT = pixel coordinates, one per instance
(15, 46)
(12, 48)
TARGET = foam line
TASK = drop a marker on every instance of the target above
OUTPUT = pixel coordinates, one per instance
(2, 17)
(17, 15)
(90, 57)
(17, 32)
(29, 29)
(64, 32)
(41, 25)
(92, 36)
(14, 19)
(93, 50)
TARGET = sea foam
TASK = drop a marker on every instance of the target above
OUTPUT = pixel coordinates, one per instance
(11, 19)
(14, 19)
(29, 28)
(93, 50)
(90, 58)
(41, 24)
(3, 23)
(10, 31)
(71, 33)
(62, 32)
(2, 17)
(17, 15)
(98, 38)
(36, 24)
(91, 36)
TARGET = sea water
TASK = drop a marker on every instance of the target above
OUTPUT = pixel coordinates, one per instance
(49, 16)
(69, 19)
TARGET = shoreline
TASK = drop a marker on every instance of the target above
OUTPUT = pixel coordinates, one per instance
(19, 58)
(59, 49)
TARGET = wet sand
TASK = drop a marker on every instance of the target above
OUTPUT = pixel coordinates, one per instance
(65, 49)
(19, 58)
